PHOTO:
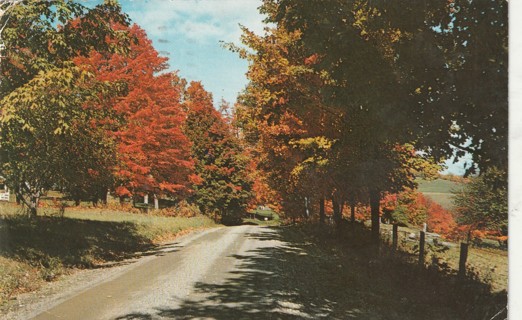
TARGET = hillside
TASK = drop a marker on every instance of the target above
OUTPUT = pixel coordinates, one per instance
(439, 190)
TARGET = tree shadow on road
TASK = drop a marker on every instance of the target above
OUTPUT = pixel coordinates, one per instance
(269, 283)
(304, 278)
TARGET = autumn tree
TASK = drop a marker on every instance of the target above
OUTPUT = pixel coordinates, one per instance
(292, 151)
(246, 129)
(453, 58)
(153, 152)
(331, 95)
(412, 208)
(224, 187)
(44, 125)
(483, 203)
(45, 105)
(391, 69)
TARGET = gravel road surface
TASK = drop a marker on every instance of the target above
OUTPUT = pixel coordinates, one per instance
(244, 272)
(176, 282)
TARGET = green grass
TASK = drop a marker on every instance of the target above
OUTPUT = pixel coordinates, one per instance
(437, 185)
(261, 222)
(439, 190)
(489, 266)
(444, 199)
(48, 246)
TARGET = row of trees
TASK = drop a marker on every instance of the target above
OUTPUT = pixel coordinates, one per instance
(349, 100)
(89, 107)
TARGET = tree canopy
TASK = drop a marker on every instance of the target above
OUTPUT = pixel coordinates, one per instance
(224, 187)
(353, 98)
(154, 153)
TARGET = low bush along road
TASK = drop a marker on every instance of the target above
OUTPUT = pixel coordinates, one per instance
(255, 272)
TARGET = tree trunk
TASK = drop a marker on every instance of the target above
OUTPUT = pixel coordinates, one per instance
(352, 208)
(375, 199)
(156, 202)
(307, 210)
(104, 194)
(321, 210)
(33, 212)
(468, 240)
(18, 197)
(146, 198)
(336, 211)
(30, 199)
(33, 205)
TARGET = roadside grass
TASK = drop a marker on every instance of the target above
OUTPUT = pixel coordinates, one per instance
(17, 277)
(36, 250)
(396, 282)
(487, 264)
(258, 222)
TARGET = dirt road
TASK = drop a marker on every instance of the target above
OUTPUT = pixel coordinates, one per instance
(245, 272)
(178, 278)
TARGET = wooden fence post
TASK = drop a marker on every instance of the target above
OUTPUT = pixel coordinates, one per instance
(395, 237)
(463, 259)
(421, 247)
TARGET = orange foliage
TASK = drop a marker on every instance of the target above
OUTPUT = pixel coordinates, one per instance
(439, 220)
(263, 194)
(420, 209)
(154, 153)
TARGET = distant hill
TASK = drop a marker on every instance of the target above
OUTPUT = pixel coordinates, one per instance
(439, 190)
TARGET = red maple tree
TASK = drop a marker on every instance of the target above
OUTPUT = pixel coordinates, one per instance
(154, 153)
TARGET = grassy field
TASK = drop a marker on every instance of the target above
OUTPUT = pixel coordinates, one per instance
(36, 250)
(439, 190)
(488, 265)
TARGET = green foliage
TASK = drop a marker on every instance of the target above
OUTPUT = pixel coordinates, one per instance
(483, 202)
(42, 35)
(400, 216)
(223, 185)
(49, 135)
(453, 57)
(46, 126)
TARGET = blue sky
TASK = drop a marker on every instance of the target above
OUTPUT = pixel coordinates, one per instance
(189, 32)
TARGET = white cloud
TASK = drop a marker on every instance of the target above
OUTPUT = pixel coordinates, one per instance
(200, 20)
(200, 30)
